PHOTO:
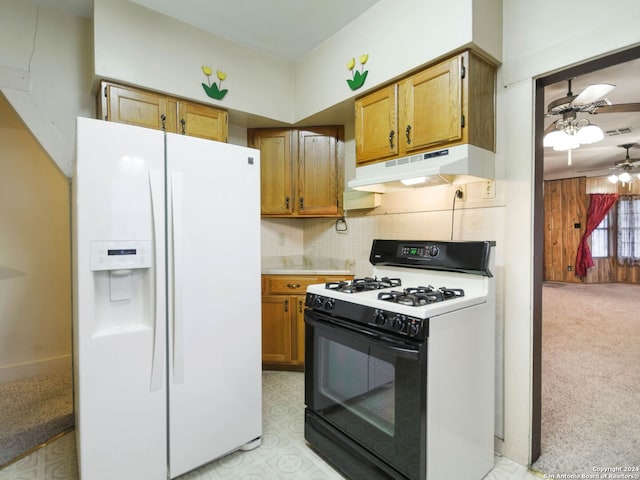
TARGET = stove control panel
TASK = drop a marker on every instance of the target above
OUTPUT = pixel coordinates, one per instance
(471, 257)
(398, 324)
(408, 251)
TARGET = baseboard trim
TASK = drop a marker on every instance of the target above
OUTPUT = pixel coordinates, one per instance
(19, 371)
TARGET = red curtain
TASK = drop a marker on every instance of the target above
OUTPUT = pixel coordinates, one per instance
(600, 205)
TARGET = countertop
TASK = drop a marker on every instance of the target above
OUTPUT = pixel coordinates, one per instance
(307, 265)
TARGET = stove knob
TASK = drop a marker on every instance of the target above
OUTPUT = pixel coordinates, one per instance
(413, 329)
(433, 251)
(317, 303)
(380, 319)
(330, 304)
(398, 323)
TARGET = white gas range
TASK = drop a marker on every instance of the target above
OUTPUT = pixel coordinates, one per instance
(399, 374)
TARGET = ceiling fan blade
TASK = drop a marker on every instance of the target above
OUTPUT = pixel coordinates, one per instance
(593, 93)
(619, 108)
(551, 127)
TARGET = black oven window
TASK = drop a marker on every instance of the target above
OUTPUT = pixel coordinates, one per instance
(361, 383)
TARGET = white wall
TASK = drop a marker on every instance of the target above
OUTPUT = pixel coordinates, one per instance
(45, 73)
(398, 35)
(35, 264)
(273, 88)
(139, 46)
(539, 37)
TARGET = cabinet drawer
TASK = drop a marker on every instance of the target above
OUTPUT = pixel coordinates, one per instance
(286, 284)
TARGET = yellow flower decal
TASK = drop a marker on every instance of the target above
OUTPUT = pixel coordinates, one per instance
(358, 76)
(213, 90)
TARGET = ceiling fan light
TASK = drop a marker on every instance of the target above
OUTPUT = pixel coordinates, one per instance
(590, 134)
(624, 177)
(566, 142)
(551, 138)
(613, 178)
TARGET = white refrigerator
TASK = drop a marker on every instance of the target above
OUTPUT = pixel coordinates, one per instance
(167, 328)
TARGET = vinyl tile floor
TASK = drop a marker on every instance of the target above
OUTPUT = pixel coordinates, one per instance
(283, 455)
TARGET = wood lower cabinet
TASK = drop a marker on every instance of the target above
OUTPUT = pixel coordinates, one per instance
(302, 171)
(449, 103)
(283, 299)
(135, 106)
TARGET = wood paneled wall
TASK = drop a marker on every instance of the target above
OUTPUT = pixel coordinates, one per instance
(566, 203)
(565, 216)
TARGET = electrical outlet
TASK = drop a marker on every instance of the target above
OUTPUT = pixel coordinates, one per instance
(281, 239)
(489, 189)
(461, 193)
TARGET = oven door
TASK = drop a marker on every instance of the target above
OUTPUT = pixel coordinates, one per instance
(371, 388)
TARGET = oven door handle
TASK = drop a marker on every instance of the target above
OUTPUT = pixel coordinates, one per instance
(381, 342)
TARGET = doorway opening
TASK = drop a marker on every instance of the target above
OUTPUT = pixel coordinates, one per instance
(545, 170)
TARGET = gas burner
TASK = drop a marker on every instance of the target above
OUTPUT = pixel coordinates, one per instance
(418, 296)
(363, 284)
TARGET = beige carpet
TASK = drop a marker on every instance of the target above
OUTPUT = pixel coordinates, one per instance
(590, 379)
(32, 411)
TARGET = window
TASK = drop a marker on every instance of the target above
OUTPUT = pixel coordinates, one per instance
(600, 238)
(629, 230)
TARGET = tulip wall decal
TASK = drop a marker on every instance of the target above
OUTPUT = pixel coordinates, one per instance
(213, 90)
(358, 76)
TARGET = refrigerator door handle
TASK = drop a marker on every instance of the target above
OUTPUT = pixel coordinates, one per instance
(157, 208)
(178, 333)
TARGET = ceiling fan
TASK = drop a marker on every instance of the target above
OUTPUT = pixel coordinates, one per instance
(628, 163)
(569, 132)
(623, 169)
(590, 100)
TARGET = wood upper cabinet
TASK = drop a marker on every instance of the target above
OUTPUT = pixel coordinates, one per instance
(320, 172)
(302, 171)
(276, 179)
(432, 100)
(283, 298)
(202, 121)
(135, 106)
(449, 103)
(377, 125)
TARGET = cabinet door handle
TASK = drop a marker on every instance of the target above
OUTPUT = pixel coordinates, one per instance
(300, 306)
(183, 122)
(163, 117)
(286, 305)
(286, 203)
(301, 203)
(293, 285)
(408, 132)
(391, 135)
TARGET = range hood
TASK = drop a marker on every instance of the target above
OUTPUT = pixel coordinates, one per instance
(459, 164)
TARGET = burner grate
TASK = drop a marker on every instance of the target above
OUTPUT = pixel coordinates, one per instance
(363, 284)
(418, 296)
